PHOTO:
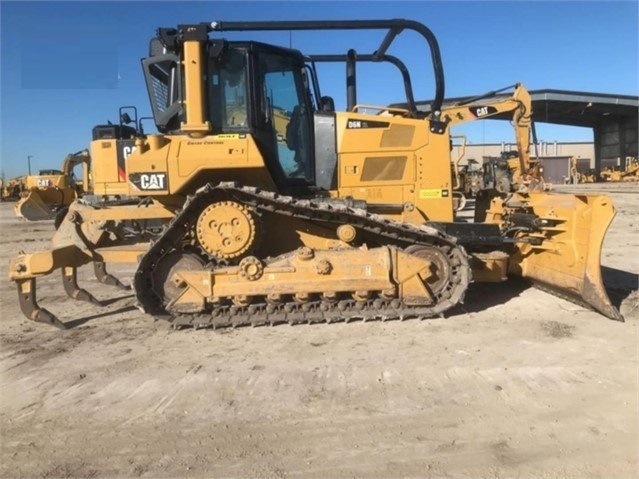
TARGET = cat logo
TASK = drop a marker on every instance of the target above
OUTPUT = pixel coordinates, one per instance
(149, 181)
(480, 111)
(154, 181)
(127, 150)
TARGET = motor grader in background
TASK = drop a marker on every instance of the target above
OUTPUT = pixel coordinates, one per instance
(281, 209)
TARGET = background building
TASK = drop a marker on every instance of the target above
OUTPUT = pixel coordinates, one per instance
(556, 156)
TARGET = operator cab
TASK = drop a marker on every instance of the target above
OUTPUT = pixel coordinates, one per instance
(279, 115)
(251, 88)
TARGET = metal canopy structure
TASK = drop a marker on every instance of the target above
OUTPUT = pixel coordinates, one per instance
(612, 117)
(581, 109)
(566, 107)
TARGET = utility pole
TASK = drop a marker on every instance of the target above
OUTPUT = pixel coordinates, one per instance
(29, 163)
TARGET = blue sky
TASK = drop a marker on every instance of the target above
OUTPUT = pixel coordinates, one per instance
(67, 66)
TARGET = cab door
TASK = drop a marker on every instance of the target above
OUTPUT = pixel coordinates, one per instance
(284, 117)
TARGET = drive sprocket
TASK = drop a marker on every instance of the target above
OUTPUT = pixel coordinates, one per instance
(226, 229)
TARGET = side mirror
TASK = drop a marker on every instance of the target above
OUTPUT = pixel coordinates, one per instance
(125, 118)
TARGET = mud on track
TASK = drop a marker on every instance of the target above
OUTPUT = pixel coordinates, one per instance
(516, 383)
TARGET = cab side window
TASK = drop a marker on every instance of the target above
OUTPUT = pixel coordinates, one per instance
(228, 106)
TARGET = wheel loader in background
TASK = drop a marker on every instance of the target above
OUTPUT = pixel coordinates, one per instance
(281, 209)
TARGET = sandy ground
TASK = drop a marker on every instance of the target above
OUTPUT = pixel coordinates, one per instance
(518, 384)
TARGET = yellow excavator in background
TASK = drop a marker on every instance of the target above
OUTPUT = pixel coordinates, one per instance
(277, 208)
(52, 191)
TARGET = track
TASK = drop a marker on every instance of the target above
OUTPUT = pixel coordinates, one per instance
(376, 228)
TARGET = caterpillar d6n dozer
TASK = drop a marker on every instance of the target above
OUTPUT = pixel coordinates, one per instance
(281, 209)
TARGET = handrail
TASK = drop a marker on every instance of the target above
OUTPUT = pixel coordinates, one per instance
(394, 26)
(408, 88)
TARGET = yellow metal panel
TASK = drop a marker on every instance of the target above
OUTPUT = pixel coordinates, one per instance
(293, 275)
(216, 158)
(375, 194)
(433, 189)
(150, 161)
(425, 186)
(122, 254)
(360, 133)
(104, 161)
(216, 151)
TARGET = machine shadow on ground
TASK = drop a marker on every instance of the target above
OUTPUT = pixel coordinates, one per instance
(481, 296)
(619, 284)
(73, 323)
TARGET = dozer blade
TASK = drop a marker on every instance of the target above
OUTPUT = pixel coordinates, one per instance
(33, 208)
(567, 260)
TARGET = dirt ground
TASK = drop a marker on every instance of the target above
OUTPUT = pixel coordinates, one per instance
(518, 383)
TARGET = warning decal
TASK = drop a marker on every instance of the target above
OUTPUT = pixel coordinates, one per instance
(429, 194)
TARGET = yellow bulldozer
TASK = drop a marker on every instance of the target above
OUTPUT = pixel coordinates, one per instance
(629, 171)
(279, 209)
